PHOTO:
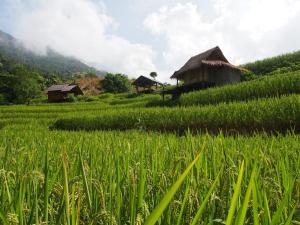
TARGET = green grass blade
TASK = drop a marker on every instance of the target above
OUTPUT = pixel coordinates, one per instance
(86, 187)
(235, 196)
(186, 195)
(241, 218)
(267, 218)
(289, 219)
(154, 216)
(203, 204)
(66, 186)
(278, 213)
(4, 221)
(73, 206)
(46, 188)
(255, 207)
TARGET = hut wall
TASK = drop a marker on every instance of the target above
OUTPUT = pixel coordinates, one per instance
(224, 75)
(218, 76)
(196, 76)
(57, 96)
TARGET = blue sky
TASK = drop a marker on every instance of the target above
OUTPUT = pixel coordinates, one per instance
(139, 36)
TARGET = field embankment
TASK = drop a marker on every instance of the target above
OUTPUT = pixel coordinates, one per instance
(265, 87)
(273, 114)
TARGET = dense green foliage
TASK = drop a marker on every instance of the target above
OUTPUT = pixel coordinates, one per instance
(264, 87)
(18, 84)
(115, 83)
(274, 65)
(246, 117)
(46, 64)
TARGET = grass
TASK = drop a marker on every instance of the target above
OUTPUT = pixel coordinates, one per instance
(114, 176)
(265, 87)
(244, 117)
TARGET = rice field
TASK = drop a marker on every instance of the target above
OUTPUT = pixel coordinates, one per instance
(242, 117)
(121, 167)
(265, 87)
(119, 177)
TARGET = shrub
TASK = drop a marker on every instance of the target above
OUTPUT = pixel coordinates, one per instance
(84, 98)
(115, 83)
(71, 97)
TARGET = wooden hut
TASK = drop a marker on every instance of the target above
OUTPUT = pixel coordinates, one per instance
(207, 69)
(145, 84)
(59, 93)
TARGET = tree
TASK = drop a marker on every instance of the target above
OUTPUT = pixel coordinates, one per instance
(19, 85)
(116, 83)
(153, 75)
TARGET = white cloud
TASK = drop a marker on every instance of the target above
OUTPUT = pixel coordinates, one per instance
(79, 28)
(245, 30)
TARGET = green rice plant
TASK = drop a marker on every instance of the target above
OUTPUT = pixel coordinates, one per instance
(154, 216)
(124, 189)
(265, 87)
(244, 117)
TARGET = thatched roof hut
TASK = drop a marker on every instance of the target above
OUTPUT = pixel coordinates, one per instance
(209, 67)
(59, 93)
(143, 82)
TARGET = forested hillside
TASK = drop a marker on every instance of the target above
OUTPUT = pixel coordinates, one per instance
(51, 63)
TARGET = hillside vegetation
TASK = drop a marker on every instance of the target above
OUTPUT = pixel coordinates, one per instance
(275, 65)
(48, 64)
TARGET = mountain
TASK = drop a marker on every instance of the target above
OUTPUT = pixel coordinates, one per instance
(50, 63)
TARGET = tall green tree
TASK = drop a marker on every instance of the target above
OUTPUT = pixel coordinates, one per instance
(116, 83)
(18, 84)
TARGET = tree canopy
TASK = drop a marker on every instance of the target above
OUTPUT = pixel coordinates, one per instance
(18, 84)
(116, 83)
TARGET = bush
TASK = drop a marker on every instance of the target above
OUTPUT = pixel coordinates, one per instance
(3, 100)
(105, 96)
(84, 98)
(40, 100)
(71, 97)
(116, 83)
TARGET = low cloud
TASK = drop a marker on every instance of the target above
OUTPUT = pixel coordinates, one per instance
(79, 28)
(245, 30)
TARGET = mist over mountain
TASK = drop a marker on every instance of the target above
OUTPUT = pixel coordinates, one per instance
(49, 63)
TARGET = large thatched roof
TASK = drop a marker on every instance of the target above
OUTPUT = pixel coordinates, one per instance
(212, 58)
(143, 81)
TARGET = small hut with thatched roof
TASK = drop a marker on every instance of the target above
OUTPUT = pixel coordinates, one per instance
(59, 93)
(207, 69)
(145, 84)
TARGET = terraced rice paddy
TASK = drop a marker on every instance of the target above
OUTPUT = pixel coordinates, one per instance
(139, 176)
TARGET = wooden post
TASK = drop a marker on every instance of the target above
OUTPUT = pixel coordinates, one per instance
(177, 82)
